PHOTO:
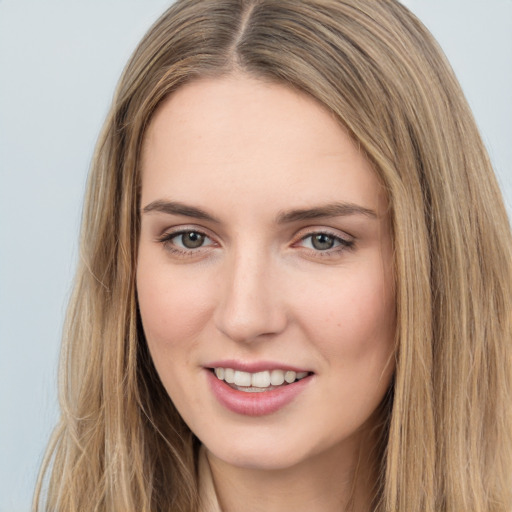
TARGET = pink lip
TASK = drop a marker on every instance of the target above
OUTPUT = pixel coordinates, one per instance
(253, 367)
(254, 404)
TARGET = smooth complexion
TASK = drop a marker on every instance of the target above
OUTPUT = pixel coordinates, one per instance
(265, 242)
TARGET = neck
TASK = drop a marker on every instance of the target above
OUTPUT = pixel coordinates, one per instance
(339, 480)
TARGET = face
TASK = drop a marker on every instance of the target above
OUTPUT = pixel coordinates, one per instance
(265, 276)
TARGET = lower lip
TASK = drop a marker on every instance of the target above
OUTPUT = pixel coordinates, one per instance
(255, 404)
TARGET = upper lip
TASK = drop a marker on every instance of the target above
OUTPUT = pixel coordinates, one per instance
(255, 366)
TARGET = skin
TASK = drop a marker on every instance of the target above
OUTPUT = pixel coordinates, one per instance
(246, 151)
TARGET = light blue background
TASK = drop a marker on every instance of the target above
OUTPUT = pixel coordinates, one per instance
(59, 62)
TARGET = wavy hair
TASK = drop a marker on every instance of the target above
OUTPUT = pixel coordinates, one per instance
(120, 444)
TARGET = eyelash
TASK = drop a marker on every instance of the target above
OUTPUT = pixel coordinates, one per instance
(167, 241)
(343, 244)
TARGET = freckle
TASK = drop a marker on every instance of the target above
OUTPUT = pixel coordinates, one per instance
(339, 325)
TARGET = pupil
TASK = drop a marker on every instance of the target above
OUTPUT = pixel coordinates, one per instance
(192, 240)
(322, 241)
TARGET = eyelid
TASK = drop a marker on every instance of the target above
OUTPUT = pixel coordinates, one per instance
(184, 228)
(346, 242)
(315, 230)
(168, 234)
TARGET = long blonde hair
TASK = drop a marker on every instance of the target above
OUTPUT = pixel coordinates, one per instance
(120, 444)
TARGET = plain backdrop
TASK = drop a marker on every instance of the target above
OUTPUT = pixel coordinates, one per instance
(59, 63)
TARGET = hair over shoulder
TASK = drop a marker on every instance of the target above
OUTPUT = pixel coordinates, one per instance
(446, 441)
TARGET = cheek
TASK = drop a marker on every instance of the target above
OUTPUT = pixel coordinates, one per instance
(352, 316)
(173, 312)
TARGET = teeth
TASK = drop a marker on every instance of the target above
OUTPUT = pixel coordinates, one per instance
(277, 377)
(242, 378)
(290, 376)
(229, 375)
(263, 379)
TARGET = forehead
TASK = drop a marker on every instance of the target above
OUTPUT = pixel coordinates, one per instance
(238, 136)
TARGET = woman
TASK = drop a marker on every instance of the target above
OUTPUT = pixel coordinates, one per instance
(296, 283)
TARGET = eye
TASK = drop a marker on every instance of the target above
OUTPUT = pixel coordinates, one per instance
(325, 242)
(185, 240)
(321, 241)
(189, 239)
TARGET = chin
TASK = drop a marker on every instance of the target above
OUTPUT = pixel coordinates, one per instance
(266, 449)
(258, 458)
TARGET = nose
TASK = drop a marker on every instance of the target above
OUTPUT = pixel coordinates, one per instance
(250, 305)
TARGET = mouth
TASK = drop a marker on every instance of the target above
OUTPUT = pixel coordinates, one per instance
(257, 388)
(258, 382)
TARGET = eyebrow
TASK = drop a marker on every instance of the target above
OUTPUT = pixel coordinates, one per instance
(285, 217)
(176, 208)
(325, 211)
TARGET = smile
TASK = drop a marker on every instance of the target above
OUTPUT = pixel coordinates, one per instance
(257, 393)
(266, 380)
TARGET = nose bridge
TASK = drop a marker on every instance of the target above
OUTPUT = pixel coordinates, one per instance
(249, 305)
